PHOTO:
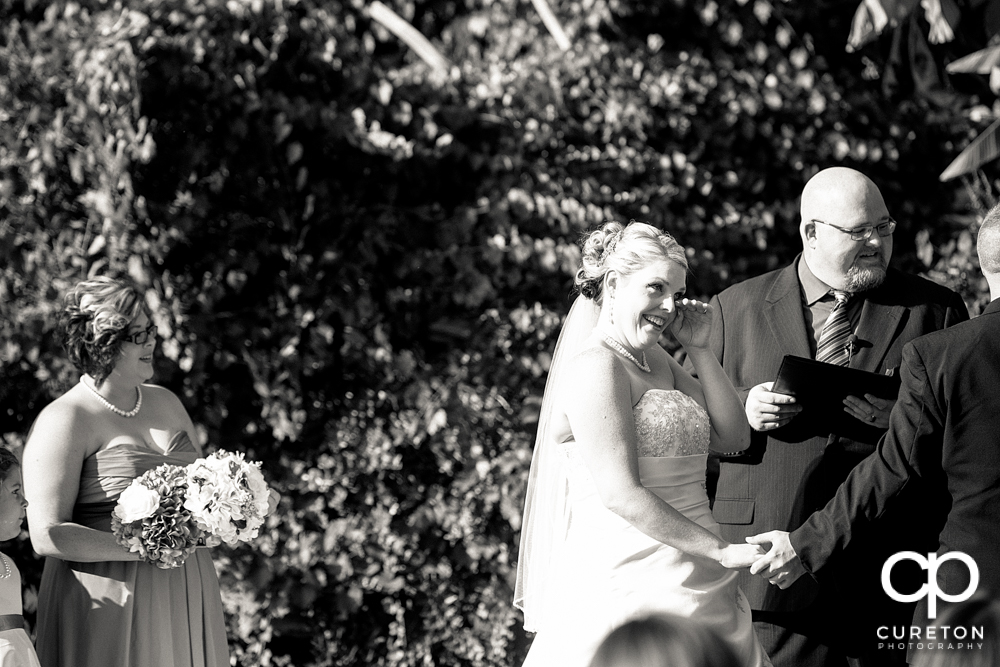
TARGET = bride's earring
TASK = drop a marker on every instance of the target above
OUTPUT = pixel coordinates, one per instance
(611, 307)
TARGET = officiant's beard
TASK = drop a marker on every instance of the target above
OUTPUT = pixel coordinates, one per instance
(863, 279)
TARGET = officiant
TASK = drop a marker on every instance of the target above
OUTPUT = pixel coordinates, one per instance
(838, 302)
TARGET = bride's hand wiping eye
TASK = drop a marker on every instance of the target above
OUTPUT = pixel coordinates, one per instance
(692, 323)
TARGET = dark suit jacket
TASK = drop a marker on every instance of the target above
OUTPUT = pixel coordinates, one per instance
(945, 432)
(789, 473)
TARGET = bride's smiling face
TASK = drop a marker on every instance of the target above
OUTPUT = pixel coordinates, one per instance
(643, 305)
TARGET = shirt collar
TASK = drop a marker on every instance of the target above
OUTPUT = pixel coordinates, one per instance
(813, 289)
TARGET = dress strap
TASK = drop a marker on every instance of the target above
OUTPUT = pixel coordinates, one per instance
(11, 622)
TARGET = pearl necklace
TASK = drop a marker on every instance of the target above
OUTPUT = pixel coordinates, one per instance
(643, 366)
(6, 568)
(111, 406)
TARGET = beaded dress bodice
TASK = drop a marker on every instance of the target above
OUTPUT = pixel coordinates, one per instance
(670, 423)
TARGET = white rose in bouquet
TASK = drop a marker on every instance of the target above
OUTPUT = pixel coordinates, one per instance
(137, 502)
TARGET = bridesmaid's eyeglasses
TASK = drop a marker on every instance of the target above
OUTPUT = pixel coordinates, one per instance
(140, 337)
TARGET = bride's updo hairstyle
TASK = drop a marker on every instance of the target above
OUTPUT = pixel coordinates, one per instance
(626, 249)
(97, 313)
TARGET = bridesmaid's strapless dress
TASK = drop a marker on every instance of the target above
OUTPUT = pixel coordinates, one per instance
(128, 613)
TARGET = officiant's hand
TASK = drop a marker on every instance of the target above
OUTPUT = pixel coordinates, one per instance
(870, 409)
(780, 565)
(767, 410)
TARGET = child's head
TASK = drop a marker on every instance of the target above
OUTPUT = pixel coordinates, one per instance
(12, 502)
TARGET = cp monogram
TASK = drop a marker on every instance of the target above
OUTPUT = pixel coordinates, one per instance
(930, 589)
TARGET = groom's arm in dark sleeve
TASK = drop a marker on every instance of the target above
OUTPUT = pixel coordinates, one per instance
(911, 449)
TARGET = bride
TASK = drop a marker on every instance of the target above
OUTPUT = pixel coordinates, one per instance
(617, 522)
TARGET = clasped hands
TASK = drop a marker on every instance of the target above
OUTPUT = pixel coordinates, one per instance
(779, 564)
(769, 555)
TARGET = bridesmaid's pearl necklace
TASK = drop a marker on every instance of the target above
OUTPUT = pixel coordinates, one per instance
(111, 406)
(643, 366)
(6, 568)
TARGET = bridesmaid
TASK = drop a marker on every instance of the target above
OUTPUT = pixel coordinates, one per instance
(98, 606)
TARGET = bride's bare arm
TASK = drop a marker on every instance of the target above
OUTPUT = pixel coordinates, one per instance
(730, 428)
(599, 407)
(53, 460)
(692, 328)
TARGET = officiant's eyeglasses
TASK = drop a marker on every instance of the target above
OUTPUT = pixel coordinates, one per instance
(865, 233)
(140, 337)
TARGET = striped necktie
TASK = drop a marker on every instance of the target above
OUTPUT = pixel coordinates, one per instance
(832, 346)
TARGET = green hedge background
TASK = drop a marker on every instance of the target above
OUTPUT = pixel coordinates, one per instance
(359, 264)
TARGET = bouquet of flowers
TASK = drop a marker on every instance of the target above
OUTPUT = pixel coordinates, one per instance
(169, 511)
(151, 520)
(227, 496)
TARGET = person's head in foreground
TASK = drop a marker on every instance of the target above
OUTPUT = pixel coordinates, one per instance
(663, 640)
(979, 613)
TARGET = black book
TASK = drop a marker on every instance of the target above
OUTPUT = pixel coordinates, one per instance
(821, 388)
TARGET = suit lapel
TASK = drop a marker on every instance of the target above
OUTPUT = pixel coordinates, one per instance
(783, 311)
(876, 330)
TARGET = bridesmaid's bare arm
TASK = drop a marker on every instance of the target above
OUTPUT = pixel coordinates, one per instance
(53, 461)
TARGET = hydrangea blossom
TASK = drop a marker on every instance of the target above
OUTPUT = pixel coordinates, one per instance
(150, 518)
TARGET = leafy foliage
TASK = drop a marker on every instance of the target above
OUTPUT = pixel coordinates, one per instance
(359, 266)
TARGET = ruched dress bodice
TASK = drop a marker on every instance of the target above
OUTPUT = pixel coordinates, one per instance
(109, 471)
(129, 613)
(615, 572)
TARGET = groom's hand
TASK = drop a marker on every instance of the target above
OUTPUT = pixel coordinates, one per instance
(781, 563)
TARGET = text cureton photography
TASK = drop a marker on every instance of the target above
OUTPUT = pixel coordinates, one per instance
(941, 637)
(961, 626)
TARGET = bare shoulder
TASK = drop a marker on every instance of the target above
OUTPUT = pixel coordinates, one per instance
(595, 364)
(682, 379)
(66, 411)
(680, 373)
(161, 398)
(64, 423)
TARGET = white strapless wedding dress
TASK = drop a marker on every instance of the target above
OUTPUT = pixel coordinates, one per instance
(615, 572)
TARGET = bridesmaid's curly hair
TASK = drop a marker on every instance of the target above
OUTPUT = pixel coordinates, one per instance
(626, 249)
(97, 313)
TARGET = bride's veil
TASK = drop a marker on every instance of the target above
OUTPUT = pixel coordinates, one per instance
(546, 511)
